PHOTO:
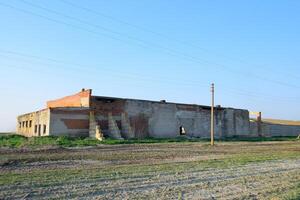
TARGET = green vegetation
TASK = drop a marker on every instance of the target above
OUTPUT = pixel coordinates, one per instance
(183, 167)
(16, 141)
(293, 195)
(260, 139)
(64, 141)
(21, 141)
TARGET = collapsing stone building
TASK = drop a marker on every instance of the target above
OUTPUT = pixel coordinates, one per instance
(83, 114)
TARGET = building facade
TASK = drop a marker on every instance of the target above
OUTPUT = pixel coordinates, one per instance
(82, 114)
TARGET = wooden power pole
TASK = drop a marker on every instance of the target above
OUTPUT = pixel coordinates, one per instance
(212, 120)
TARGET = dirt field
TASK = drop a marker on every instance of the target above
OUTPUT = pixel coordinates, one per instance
(230, 170)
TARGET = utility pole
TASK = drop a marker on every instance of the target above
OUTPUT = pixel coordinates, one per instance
(259, 125)
(212, 121)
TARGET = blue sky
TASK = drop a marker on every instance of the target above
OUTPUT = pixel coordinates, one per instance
(151, 49)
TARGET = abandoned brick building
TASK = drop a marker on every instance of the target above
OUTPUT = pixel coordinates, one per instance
(83, 114)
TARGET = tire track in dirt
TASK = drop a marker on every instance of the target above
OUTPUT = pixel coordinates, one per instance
(125, 186)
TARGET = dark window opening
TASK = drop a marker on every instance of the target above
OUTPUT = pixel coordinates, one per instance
(20, 124)
(30, 124)
(35, 129)
(23, 124)
(182, 130)
(44, 129)
(106, 100)
(39, 131)
(26, 124)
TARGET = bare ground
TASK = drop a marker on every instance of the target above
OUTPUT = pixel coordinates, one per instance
(153, 171)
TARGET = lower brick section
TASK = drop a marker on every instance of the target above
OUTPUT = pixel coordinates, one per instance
(76, 123)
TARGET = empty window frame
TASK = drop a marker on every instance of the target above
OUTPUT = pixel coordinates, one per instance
(44, 129)
(30, 123)
(20, 124)
(39, 131)
(26, 124)
(23, 124)
(35, 128)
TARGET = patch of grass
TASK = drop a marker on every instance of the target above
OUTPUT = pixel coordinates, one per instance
(16, 141)
(49, 170)
(139, 169)
(293, 194)
(259, 139)
(152, 140)
(12, 140)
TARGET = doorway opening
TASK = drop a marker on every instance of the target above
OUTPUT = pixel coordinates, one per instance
(182, 130)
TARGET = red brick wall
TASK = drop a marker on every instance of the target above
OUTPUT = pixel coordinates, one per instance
(76, 123)
(103, 106)
(81, 99)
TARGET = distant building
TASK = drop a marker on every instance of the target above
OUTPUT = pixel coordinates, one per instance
(83, 114)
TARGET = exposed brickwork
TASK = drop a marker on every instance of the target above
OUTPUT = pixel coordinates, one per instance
(66, 111)
(139, 125)
(114, 131)
(76, 123)
(103, 106)
(81, 99)
(103, 124)
(126, 129)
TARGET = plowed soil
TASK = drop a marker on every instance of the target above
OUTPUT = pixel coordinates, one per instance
(229, 170)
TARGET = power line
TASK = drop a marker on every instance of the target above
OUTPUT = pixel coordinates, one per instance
(86, 69)
(82, 21)
(255, 95)
(112, 18)
(138, 27)
(195, 59)
(144, 43)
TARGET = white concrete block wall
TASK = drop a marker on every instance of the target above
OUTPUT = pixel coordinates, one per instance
(59, 127)
(35, 123)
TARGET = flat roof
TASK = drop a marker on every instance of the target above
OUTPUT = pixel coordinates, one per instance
(162, 102)
(32, 112)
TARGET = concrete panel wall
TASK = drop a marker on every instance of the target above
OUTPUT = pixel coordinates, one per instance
(272, 129)
(34, 124)
(283, 130)
(69, 122)
(158, 119)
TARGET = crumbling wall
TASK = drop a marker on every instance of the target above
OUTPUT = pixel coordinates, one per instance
(69, 122)
(235, 122)
(34, 124)
(81, 99)
(160, 119)
(138, 118)
(105, 106)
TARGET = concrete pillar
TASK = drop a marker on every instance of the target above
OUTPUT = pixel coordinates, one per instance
(126, 128)
(92, 125)
(99, 134)
(259, 128)
(113, 129)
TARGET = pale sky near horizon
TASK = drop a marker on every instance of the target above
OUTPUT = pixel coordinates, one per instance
(151, 49)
